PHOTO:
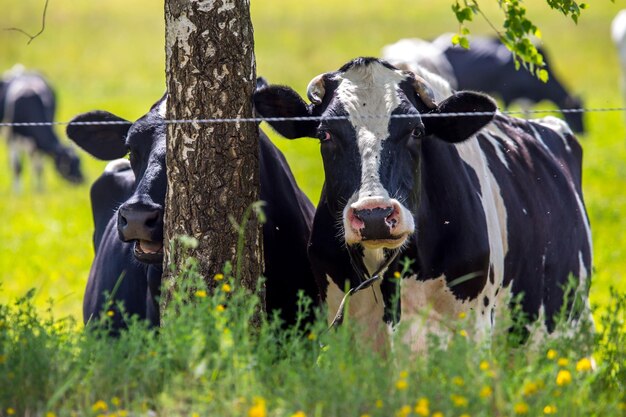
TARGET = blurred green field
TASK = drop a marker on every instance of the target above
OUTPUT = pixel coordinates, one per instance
(110, 55)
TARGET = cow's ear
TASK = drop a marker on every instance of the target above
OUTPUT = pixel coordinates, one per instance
(453, 128)
(104, 141)
(279, 101)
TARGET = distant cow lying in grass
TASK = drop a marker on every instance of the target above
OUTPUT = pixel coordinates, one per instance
(26, 97)
(488, 66)
(127, 203)
(483, 205)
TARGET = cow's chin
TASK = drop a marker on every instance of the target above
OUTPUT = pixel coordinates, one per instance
(148, 252)
(391, 243)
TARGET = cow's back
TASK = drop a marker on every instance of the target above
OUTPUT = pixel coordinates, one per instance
(538, 171)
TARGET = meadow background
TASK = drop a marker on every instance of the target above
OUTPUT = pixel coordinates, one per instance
(110, 55)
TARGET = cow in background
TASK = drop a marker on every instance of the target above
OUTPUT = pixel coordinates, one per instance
(26, 97)
(618, 34)
(483, 205)
(128, 207)
(488, 66)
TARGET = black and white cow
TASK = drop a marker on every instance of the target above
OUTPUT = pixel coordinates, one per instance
(488, 66)
(483, 205)
(128, 215)
(26, 97)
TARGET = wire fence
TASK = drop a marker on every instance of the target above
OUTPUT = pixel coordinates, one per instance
(315, 118)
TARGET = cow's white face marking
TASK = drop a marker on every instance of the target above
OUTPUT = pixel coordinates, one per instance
(369, 94)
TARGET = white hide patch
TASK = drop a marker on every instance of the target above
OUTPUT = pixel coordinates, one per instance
(117, 165)
(366, 308)
(559, 126)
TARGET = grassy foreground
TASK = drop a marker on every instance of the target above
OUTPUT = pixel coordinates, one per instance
(207, 361)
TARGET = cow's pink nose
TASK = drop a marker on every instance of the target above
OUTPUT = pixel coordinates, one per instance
(374, 222)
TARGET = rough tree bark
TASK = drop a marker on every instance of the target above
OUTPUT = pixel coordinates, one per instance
(212, 168)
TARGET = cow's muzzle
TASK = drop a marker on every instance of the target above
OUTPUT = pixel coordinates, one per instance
(142, 224)
(377, 223)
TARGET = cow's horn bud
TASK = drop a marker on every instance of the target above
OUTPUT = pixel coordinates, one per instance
(424, 91)
(315, 90)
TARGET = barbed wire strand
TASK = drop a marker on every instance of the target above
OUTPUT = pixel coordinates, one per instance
(315, 118)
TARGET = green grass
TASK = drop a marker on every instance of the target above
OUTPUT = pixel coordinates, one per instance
(110, 55)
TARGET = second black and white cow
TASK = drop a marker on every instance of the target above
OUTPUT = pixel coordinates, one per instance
(483, 205)
(26, 97)
(128, 215)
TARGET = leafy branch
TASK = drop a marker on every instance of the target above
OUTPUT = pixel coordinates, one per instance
(517, 30)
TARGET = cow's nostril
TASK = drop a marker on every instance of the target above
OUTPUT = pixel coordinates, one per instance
(152, 219)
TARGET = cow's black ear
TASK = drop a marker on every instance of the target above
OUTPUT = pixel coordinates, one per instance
(453, 128)
(104, 141)
(279, 101)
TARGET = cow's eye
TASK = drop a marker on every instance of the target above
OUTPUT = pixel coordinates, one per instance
(418, 132)
(324, 135)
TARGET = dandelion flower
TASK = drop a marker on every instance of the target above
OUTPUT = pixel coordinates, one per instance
(219, 308)
(227, 288)
(365, 415)
(200, 293)
(530, 388)
(437, 414)
(563, 378)
(194, 414)
(484, 366)
(462, 315)
(401, 384)
(549, 409)
(379, 403)
(485, 392)
(421, 407)
(99, 406)
(122, 413)
(584, 365)
(404, 411)
(115, 401)
(459, 400)
(404, 374)
(551, 354)
(110, 313)
(520, 408)
(10, 411)
(51, 414)
(458, 381)
(397, 274)
(463, 333)
(299, 413)
(218, 277)
(258, 409)
(563, 362)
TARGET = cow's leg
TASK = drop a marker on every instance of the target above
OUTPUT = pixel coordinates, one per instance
(37, 161)
(16, 163)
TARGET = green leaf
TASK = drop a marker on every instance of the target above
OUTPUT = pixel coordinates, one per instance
(464, 42)
(542, 74)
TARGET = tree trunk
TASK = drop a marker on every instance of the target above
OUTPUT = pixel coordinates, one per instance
(213, 169)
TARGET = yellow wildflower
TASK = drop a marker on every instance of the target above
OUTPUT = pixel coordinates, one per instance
(437, 414)
(459, 400)
(621, 406)
(379, 403)
(462, 315)
(530, 388)
(401, 384)
(115, 401)
(219, 308)
(563, 378)
(584, 365)
(458, 381)
(404, 374)
(99, 406)
(551, 354)
(397, 274)
(404, 411)
(462, 333)
(227, 288)
(200, 293)
(299, 413)
(485, 392)
(194, 414)
(421, 407)
(110, 313)
(51, 414)
(258, 409)
(10, 411)
(365, 415)
(218, 277)
(520, 408)
(484, 366)
(549, 409)
(562, 362)
(122, 413)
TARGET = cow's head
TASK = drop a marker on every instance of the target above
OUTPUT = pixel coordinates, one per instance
(67, 164)
(372, 156)
(574, 119)
(140, 218)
